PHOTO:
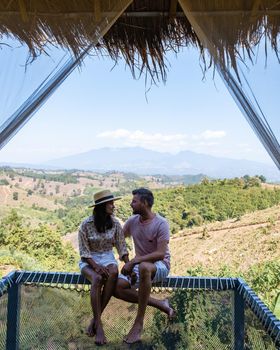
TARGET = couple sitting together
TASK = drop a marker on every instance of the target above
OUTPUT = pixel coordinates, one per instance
(101, 232)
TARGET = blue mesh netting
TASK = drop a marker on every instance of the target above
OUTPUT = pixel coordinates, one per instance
(53, 318)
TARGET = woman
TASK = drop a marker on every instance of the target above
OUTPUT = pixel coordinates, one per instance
(97, 236)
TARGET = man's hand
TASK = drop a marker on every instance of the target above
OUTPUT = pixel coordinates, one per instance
(133, 278)
(127, 268)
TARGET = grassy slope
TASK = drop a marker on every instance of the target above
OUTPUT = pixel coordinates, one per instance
(237, 244)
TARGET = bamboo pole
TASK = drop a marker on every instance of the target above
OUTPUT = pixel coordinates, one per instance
(142, 13)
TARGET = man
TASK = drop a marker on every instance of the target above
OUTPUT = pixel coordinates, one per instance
(150, 233)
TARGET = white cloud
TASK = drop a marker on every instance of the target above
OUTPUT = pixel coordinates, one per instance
(159, 141)
(155, 141)
(210, 134)
(116, 134)
(207, 144)
(139, 135)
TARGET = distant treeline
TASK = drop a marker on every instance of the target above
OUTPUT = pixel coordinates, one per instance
(216, 200)
(66, 177)
(186, 206)
(182, 179)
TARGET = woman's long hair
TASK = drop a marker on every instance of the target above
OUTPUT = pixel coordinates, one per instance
(102, 220)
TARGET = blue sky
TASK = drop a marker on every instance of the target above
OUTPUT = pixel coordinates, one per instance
(98, 106)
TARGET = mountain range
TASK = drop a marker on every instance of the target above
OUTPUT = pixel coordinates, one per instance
(144, 162)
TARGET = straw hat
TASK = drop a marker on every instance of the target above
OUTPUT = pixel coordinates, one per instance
(103, 197)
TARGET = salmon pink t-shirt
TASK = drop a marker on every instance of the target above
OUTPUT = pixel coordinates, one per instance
(146, 235)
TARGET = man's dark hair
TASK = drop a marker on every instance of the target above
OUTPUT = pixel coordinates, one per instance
(145, 195)
(102, 220)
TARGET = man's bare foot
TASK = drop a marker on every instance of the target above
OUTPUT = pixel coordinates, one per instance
(134, 335)
(100, 338)
(168, 309)
(91, 328)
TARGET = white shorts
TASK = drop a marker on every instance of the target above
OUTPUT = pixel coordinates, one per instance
(101, 258)
(160, 275)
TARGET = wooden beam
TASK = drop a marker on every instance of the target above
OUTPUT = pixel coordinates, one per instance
(97, 10)
(173, 8)
(142, 14)
(255, 9)
(23, 11)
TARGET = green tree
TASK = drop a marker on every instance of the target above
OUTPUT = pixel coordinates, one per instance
(15, 196)
(29, 192)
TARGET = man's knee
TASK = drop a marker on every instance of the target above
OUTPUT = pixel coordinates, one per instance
(146, 269)
(113, 271)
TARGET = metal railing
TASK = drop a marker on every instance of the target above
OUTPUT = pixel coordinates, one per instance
(243, 296)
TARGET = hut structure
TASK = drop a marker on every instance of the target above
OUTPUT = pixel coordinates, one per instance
(142, 32)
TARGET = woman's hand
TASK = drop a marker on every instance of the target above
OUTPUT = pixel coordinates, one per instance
(101, 270)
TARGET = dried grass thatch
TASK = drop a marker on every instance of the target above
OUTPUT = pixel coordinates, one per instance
(147, 29)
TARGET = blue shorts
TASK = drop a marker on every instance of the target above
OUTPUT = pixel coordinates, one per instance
(101, 258)
(160, 275)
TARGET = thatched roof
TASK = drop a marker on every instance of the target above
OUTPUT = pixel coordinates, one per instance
(144, 32)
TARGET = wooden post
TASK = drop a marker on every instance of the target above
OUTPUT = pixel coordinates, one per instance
(13, 318)
(238, 321)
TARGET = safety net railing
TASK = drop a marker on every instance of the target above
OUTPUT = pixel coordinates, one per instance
(51, 310)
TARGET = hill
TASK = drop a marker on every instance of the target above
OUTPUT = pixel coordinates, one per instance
(143, 161)
(62, 197)
(248, 248)
(235, 244)
(217, 227)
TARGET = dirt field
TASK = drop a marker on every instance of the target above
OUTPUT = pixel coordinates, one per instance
(237, 244)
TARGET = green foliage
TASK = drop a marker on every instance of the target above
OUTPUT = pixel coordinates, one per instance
(56, 316)
(4, 182)
(202, 321)
(264, 278)
(217, 200)
(203, 318)
(70, 217)
(41, 243)
(184, 179)
(66, 177)
(277, 306)
(15, 196)
(182, 206)
(262, 178)
(19, 260)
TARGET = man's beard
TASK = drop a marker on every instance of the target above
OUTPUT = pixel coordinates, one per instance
(135, 211)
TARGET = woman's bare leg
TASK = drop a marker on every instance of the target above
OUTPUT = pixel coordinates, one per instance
(95, 326)
(109, 285)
